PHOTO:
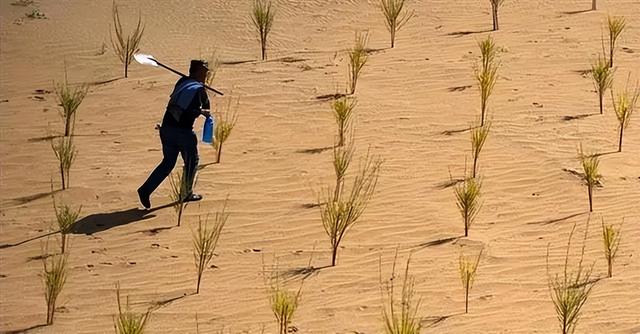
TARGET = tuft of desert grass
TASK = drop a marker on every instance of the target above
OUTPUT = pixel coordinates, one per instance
(284, 302)
(69, 97)
(624, 104)
(179, 191)
(357, 59)
(400, 316)
(341, 213)
(262, 17)
(570, 290)
(611, 241)
(602, 76)
(205, 240)
(127, 321)
(395, 16)
(342, 156)
(478, 137)
(488, 52)
(65, 152)
(468, 201)
(343, 114)
(226, 121)
(66, 217)
(486, 73)
(468, 267)
(54, 275)
(590, 166)
(615, 25)
(214, 66)
(495, 6)
(125, 45)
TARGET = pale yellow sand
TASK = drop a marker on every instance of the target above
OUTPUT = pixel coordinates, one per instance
(405, 104)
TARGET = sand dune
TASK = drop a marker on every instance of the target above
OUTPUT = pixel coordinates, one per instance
(415, 103)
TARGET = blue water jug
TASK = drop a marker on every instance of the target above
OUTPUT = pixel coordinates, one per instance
(207, 131)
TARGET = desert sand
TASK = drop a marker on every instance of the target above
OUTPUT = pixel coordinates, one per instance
(412, 100)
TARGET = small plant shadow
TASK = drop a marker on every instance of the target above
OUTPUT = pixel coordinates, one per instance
(435, 320)
(236, 62)
(437, 242)
(100, 222)
(315, 150)
(164, 302)
(605, 153)
(302, 272)
(203, 166)
(329, 97)
(24, 330)
(450, 183)
(574, 117)
(454, 131)
(459, 88)
(31, 198)
(573, 12)
(27, 240)
(557, 220)
(312, 205)
(467, 32)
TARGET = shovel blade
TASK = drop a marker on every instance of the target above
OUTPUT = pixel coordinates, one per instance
(145, 59)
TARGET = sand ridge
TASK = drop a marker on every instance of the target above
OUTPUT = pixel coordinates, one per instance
(277, 159)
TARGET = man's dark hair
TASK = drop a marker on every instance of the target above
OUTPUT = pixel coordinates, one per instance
(197, 65)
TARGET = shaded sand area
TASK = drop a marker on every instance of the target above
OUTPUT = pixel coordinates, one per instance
(414, 103)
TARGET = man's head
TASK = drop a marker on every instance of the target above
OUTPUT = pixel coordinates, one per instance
(198, 70)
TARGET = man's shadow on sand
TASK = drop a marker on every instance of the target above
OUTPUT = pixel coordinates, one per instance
(100, 222)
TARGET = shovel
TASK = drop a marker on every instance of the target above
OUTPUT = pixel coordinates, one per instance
(149, 60)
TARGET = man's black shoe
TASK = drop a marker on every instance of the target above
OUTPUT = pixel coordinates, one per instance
(144, 199)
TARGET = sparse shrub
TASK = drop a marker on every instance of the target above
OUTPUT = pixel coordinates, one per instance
(341, 213)
(127, 321)
(590, 164)
(125, 45)
(342, 156)
(468, 268)
(343, 113)
(468, 201)
(611, 240)
(357, 59)
(205, 240)
(284, 302)
(624, 105)
(486, 74)
(180, 189)
(70, 98)
(262, 17)
(54, 276)
(226, 122)
(602, 76)
(35, 13)
(570, 291)
(395, 15)
(65, 152)
(400, 317)
(616, 25)
(495, 6)
(214, 66)
(66, 218)
(478, 137)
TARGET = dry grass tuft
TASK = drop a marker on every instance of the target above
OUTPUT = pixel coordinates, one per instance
(400, 317)
(66, 218)
(615, 24)
(69, 97)
(54, 275)
(343, 113)
(478, 137)
(262, 17)
(570, 291)
(205, 240)
(125, 45)
(65, 152)
(495, 6)
(602, 76)
(624, 104)
(357, 59)
(590, 166)
(395, 15)
(468, 268)
(468, 201)
(127, 321)
(611, 240)
(226, 121)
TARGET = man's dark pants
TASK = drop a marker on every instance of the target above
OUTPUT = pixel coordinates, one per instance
(174, 141)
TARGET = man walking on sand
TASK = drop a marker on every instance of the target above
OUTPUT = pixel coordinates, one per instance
(188, 101)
